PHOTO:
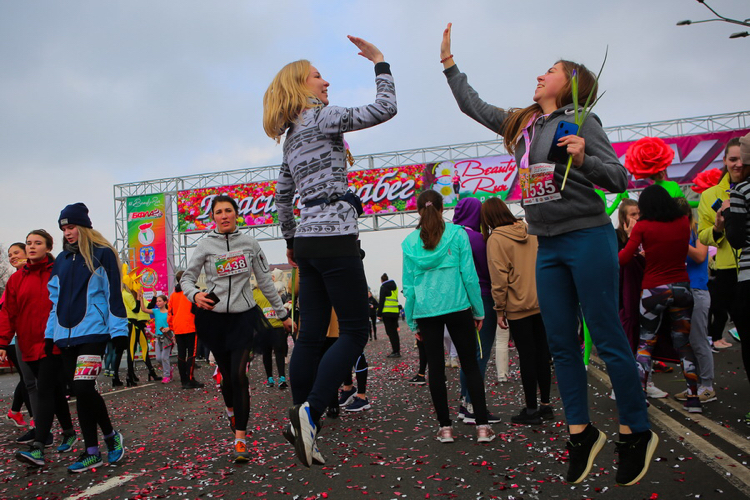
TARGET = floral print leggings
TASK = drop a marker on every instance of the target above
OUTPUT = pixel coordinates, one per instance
(676, 300)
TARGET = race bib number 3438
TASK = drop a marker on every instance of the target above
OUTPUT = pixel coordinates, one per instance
(538, 184)
(231, 263)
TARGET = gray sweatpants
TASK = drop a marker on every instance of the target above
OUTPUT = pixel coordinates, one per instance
(163, 349)
(699, 337)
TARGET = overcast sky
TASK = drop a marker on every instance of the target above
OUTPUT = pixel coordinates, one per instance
(96, 93)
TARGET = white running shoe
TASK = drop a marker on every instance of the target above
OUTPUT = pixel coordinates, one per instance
(654, 392)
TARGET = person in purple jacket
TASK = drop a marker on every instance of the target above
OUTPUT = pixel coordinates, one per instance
(466, 214)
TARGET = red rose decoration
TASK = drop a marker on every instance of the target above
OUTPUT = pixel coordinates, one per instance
(647, 157)
(706, 179)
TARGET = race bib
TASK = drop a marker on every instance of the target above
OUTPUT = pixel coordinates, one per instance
(231, 263)
(269, 312)
(88, 367)
(538, 184)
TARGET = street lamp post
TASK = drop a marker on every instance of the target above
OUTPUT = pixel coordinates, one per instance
(719, 17)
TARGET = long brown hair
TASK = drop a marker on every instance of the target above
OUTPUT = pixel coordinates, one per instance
(495, 213)
(519, 117)
(431, 225)
(48, 240)
(622, 218)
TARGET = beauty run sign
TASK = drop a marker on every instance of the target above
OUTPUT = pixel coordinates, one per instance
(395, 189)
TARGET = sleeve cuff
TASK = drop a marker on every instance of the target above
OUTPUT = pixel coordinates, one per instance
(382, 68)
(452, 71)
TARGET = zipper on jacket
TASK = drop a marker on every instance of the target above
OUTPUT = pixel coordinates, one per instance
(70, 292)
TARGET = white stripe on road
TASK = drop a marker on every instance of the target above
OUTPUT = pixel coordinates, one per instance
(734, 472)
(105, 486)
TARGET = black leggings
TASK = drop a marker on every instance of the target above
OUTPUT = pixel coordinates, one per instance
(234, 387)
(533, 356)
(724, 301)
(51, 387)
(20, 394)
(390, 322)
(186, 347)
(463, 333)
(422, 358)
(374, 320)
(92, 411)
(742, 322)
(278, 347)
(360, 371)
(136, 330)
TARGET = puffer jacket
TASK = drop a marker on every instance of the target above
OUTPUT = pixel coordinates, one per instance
(86, 307)
(440, 281)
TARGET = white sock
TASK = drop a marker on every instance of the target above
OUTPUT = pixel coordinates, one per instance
(230, 413)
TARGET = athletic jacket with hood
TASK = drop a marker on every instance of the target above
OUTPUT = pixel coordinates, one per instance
(235, 292)
(580, 206)
(511, 255)
(467, 214)
(86, 307)
(440, 281)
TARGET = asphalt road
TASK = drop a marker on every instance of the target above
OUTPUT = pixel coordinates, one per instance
(179, 444)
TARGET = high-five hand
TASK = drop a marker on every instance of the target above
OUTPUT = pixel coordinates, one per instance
(367, 50)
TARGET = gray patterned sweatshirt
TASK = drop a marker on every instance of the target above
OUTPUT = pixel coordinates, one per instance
(315, 163)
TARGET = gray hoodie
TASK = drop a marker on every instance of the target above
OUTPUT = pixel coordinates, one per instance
(233, 255)
(580, 207)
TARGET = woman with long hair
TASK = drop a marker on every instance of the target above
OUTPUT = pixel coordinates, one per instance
(576, 262)
(227, 316)
(25, 314)
(664, 231)
(324, 244)
(87, 311)
(441, 287)
(511, 254)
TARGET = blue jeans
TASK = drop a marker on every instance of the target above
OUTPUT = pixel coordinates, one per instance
(486, 339)
(581, 267)
(325, 283)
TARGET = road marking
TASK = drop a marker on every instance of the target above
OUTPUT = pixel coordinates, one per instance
(733, 471)
(107, 485)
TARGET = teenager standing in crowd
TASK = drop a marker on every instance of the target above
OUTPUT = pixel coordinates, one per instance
(388, 312)
(87, 311)
(228, 316)
(324, 244)
(577, 259)
(442, 290)
(25, 313)
(164, 340)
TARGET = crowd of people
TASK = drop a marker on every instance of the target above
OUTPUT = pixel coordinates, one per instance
(544, 279)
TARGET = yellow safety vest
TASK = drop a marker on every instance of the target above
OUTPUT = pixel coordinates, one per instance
(391, 302)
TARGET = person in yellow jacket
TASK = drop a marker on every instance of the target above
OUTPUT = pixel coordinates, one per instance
(277, 345)
(713, 202)
(137, 320)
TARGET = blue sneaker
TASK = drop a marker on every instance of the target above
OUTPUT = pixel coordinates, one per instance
(282, 383)
(305, 432)
(34, 456)
(85, 462)
(359, 404)
(67, 443)
(271, 382)
(115, 448)
(347, 397)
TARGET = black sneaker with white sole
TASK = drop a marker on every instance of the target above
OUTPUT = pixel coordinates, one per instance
(581, 453)
(635, 453)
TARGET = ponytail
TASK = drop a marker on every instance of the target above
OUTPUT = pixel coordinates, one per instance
(431, 224)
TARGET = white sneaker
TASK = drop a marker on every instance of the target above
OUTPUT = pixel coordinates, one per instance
(612, 395)
(654, 392)
(445, 434)
(454, 362)
(502, 378)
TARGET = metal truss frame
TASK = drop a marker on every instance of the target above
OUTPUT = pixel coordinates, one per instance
(180, 243)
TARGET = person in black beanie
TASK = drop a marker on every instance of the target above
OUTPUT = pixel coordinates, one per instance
(87, 311)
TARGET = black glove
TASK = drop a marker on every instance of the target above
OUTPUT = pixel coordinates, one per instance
(120, 343)
(49, 345)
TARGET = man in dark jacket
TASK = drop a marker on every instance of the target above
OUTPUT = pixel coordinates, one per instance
(388, 312)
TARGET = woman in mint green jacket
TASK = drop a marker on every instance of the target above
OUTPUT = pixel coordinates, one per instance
(442, 290)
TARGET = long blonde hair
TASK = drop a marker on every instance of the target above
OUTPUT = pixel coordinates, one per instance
(87, 240)
(286, 98)
(519, 117)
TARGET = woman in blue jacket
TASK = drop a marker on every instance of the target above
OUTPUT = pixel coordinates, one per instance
(87, 311)
(442, 290)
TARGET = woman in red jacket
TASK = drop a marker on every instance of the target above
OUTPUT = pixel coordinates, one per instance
(664, 231)
(25, 312)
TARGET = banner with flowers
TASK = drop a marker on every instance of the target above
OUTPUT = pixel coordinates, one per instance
(382, 190)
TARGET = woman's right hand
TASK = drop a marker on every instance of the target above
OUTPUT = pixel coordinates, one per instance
(3, 355)
(629, 224)
(445, 47)
(203, 302)
(502, 322)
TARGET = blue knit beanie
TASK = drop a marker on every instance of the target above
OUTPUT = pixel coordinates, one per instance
(77, 214)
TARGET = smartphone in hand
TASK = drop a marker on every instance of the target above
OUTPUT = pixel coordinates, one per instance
(559, 154)
(213, 297)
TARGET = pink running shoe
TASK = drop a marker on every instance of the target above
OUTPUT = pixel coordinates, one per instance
(16, 418)
(166, 380)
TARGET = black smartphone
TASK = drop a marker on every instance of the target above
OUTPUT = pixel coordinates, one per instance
(556, 153)
(717, 205)
(213, 297)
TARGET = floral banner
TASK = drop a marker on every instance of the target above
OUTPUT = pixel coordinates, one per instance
(382, 190)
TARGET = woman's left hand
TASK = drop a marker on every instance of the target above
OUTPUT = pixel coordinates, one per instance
(289, 325)
(367, 50)
(478, 324)
(576, 147)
